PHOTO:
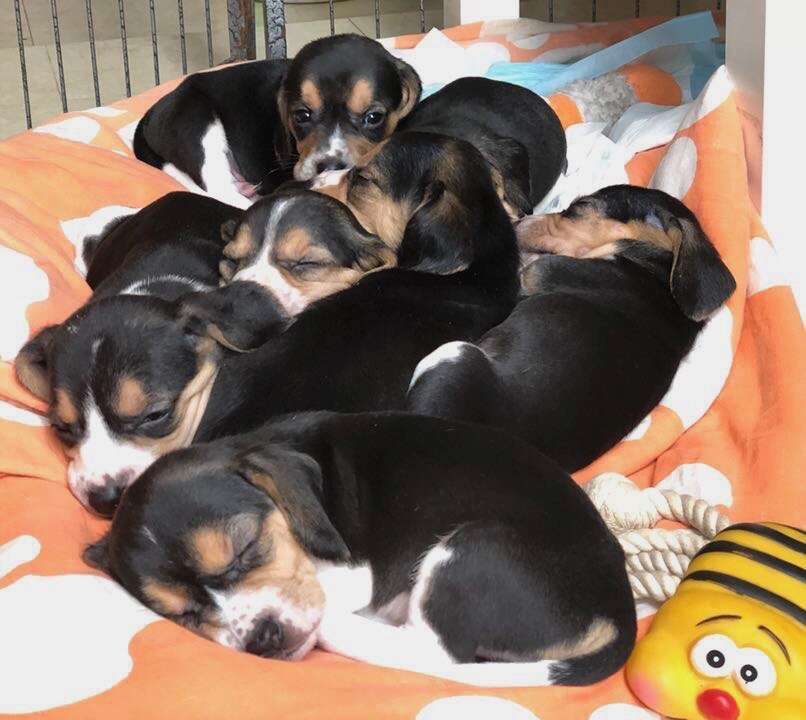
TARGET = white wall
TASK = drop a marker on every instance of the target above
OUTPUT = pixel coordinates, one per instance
(458, 12)
(766, 57)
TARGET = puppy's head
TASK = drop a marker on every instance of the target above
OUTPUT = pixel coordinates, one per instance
(598, 225)
(430, 197)
(342, 95)
(127, 379)
(223, 541)
(300, 246)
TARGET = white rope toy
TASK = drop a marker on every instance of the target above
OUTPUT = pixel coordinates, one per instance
(656, 558)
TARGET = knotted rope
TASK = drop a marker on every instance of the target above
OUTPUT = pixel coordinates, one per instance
(656, 558)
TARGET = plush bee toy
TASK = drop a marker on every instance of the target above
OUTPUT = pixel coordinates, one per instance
(731, 643)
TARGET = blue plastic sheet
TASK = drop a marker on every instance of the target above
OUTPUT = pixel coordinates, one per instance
(696, 31)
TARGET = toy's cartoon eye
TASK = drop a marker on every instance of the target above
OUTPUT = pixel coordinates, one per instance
(714, 656)
(754, 672)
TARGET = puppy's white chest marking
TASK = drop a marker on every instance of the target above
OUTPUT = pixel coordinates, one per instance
(217, 178)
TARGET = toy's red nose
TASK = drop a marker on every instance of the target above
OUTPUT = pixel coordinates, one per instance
(717, 705)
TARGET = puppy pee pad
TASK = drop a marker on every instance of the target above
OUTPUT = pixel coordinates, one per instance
(74, 645)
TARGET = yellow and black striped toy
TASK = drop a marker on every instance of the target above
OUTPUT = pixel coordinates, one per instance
(731, 643)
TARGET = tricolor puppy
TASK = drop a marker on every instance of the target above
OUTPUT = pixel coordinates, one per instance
(414, 193)
(516, 131)
(220, 132)
(128, 375)
(352, 351)
(301, 246)
(341, 96)
(411, 542)
(356, 349)
(596, 344)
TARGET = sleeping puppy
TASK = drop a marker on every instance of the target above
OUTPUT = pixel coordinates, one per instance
(343, 95)
(411, 542)
(127, 375)
(356, 349)
(352, 351)
(301, 246)
(515, 130)
(220, 132)
(595, 345)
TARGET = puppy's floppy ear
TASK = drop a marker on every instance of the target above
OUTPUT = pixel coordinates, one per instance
(284, 146)
(436, 237)
(31, 364)
(294, 482)
(96, 554)
(509, 168)
(372, 254)
(228, 228)
(240, 316)
(411, 88)
(700, 282)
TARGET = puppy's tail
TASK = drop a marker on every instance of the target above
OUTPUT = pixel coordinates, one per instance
(576, 670)
(142, 150)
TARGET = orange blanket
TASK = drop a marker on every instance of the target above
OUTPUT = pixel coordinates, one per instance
(74, 645)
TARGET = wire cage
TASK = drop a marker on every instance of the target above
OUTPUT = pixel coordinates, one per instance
(242, 21)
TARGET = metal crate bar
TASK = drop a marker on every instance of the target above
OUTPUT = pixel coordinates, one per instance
(551, 10)
(26, 98)
(125, 49)
(241, 23)
(332, 14)
(182, 46)
(677, 8)
(209, 26)
(422, 16)
(59, 62)
(93, 56)
(593, 11)
(274, 29)
(637, 8)
(377, 18)
(155, 50)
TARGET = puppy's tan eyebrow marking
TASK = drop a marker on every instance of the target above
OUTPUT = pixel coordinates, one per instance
(130, 398)
(293, 243)
(169, 599)
(310, 94)
(360, 96)
(212, 548)
(241, 245)
(66, 409)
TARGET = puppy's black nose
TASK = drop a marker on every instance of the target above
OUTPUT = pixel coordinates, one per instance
(104, 499)
(330, 163)
(266, 639)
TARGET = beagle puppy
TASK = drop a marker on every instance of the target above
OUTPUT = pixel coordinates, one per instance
(410, 542)
(352, 351)
(127, 375)
(237, 133)
(341, 96)
(597, 341)
(516, 131)
(220, 132)
(300, 246)
(411, 191)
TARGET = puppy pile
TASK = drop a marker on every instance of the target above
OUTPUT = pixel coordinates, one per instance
(342, 383)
